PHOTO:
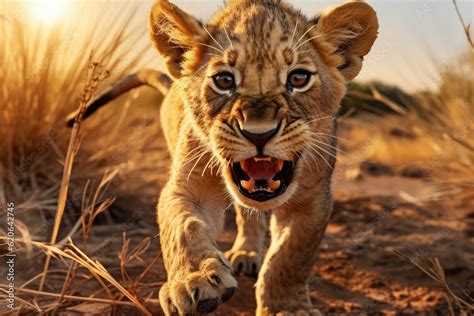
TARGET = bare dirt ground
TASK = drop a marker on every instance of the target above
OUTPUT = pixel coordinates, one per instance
(357, 272)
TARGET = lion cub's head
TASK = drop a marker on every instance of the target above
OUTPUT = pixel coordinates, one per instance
(262, 84)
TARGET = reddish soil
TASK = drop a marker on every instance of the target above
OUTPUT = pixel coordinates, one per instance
(357, 272)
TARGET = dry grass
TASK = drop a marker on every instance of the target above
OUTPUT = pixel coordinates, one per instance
(94, 75)
(38, 90)
(435, 133)
(73, 253)
(61, 179)
(466, 28)
(43, 85)
(433, 269)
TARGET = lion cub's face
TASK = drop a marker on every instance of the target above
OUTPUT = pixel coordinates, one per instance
(263, 84)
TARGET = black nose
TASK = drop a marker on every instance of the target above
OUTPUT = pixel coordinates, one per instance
(260, 140)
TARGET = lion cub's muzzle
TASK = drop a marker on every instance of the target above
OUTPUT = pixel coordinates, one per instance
(262, 178)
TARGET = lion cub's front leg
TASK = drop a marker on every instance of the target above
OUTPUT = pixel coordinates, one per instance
(199, 276)
(247, 252)
(282, 286)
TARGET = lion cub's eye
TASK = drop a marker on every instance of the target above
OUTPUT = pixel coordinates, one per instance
(298, 78)
(224, 81)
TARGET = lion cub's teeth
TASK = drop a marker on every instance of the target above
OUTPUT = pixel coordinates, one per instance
(243, 165)
(274, 185)
(262, 158)
(280, 165)
(246, 185)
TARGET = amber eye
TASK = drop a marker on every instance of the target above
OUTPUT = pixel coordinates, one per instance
(224, 80)
(298, 78)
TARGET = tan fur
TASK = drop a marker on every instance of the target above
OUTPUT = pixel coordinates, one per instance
(246, 254)
(260, 41)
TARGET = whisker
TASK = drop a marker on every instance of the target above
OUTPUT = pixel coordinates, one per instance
(213, 47)
(227, 207)
(330, 146)
(313, 145)
(200, 68)
(215, 163)
(309, 39)
(212, 161)
(205, 167)
(327, 135)
(306, 150)
(305, 160)
(218, 44)
(194, 156)
(322, 157)
(228, 38)
(309, 29)
(193, 150)
(301, 154)
(284, 138)
(195, 164)
(312, 149)
(213, 54)
(304, 51)
(320, 118)
(294, 32)
(315, 161)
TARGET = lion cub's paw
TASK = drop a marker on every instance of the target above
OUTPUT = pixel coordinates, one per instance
(199, 292)
(243, 261)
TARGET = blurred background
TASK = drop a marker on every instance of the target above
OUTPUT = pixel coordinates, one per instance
(416, 36)
(402, 234)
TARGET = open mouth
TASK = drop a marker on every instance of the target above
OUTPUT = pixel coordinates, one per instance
(262, 178)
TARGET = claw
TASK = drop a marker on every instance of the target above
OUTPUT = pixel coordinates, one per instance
(229, 292)
(207, 306)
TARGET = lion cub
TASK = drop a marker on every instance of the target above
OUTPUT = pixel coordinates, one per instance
(250, 120)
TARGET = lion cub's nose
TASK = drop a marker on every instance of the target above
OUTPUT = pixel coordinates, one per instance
(260, 139)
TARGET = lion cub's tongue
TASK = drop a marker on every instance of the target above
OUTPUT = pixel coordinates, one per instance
(261, 168)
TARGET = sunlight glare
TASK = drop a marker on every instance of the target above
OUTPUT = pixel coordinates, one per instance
(47, 11)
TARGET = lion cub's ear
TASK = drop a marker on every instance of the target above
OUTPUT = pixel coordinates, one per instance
(351, 28)
(174, 33)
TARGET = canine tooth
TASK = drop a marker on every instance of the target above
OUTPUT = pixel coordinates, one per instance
(274, 185)
(280, 165)
(246, 185)
(243, 165)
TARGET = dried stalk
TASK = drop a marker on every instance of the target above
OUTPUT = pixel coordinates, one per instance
(94, 74)
(467, 28)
